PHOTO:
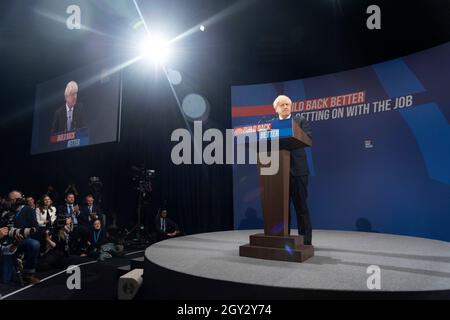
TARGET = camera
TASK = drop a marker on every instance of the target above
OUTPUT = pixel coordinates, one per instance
(142, 178)
(25, 232)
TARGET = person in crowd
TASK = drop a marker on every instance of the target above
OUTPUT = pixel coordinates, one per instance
(45, 212)
(31, 202)
(91, 211)
(100, 245)
(80, 230)
(165, 227)
(25, 220)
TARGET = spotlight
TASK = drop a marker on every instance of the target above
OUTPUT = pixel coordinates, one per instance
(154, 49)
(202, 28)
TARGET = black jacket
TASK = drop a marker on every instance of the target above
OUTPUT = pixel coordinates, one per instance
(83, 220)
(26, 218)
(86, 213)
(60, 119)
(171, 226)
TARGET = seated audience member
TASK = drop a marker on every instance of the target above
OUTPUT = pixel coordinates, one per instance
(80, 224)
(24, 218)
(45, 212)
(91, 211)
(100, 245)
(57, 247)
(165, 227)
(30, 202)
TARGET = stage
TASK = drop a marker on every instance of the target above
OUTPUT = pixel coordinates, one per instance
(208, 266)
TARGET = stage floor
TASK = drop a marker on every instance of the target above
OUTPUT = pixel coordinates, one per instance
(340, 263)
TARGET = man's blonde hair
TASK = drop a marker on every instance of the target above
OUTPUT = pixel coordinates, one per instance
(277, 100)
(71, 87)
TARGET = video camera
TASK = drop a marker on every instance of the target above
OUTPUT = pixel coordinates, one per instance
(142, 178)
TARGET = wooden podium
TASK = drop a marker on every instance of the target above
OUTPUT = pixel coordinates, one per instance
(275, 243)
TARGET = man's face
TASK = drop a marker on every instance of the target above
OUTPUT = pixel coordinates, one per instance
(89, 201)
(71, 99)
(164, 213)
(70, 199)
(284, 107)
(30, 201)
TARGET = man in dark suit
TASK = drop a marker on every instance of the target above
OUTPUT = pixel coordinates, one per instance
(165, 227)
(69, 117)
(299, 173)
(90, 211)
(80, 223)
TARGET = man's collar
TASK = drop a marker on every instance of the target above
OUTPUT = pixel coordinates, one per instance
(67, 108)
(279, 117)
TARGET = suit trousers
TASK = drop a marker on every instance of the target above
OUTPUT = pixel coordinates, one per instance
(298, 193)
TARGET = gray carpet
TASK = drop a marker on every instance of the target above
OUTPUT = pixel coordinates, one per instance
(340, 262)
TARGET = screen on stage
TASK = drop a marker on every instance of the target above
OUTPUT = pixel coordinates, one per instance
(380, 160)
(78, 109)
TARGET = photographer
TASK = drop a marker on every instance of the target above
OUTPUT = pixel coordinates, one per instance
(24, 225)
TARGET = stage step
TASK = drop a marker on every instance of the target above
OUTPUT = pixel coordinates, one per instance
(270, 253)
(284, 242)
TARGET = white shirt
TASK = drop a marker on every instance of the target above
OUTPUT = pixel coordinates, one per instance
(279, 117)
(41, 216)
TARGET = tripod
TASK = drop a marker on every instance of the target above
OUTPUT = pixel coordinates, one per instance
(138, 236)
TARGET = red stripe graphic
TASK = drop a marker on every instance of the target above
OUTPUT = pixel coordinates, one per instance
(252, 111)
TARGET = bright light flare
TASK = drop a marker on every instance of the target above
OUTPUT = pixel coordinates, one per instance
(155, 49)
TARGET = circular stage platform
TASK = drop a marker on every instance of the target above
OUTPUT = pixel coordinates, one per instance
(208, 266)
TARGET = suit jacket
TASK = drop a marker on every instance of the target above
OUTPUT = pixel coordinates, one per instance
(84, 211)
(82, 219)
(26, 218)
(299, 162)
(171, 226)
(60, 119)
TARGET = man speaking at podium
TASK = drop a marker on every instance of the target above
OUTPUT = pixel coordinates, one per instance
(299, 173)
(69, 117)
